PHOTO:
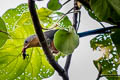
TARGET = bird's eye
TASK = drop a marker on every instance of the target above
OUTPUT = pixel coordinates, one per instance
(26, 41)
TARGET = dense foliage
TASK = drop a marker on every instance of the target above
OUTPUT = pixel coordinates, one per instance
(16, 25)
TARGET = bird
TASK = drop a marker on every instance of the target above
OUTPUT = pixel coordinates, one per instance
(33, 41)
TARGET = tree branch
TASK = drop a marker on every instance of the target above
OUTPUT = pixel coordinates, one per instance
(38, 29)
(75, 16)
(97, 31)
(67, 64)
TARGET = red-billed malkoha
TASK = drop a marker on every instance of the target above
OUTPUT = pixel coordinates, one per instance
(33, 41)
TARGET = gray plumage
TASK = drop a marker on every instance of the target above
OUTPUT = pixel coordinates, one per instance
(33, 41)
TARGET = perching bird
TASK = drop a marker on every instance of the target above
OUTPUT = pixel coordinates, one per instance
(33, 41)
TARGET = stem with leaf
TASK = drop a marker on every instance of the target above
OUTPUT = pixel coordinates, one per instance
(75, 16)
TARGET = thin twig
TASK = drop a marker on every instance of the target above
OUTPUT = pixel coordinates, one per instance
(102, 24)
(79, 19)
(65, 15)
(56, 23)
(67, 64)
(3, 32)
(38, 29)
(66, 2)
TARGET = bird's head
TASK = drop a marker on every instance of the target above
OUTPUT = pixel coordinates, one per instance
(31, 41)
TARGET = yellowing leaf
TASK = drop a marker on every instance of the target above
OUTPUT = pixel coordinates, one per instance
(110, 61)
(12, 64)
(12, 15)
(46, 18)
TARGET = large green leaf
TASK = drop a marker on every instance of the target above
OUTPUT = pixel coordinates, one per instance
(109, 62)
(66, 41)
(12, 64)
(54, 5)
(46, 17)
(101, 8)
(106, 10)
(3, 32)
(12, 15)
(115, 5)
(19, 26)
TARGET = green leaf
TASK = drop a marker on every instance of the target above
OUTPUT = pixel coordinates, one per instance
(109, 62)
(115, 38)
(65, 22)
(12, 64)
(66, 41)
(106, 10)
(92, 14)
(102, 40)
(109, 67)
(12, 15)
(46, 18)
(115, 5)
(3, 33)
(101, 8)
(54, 5)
